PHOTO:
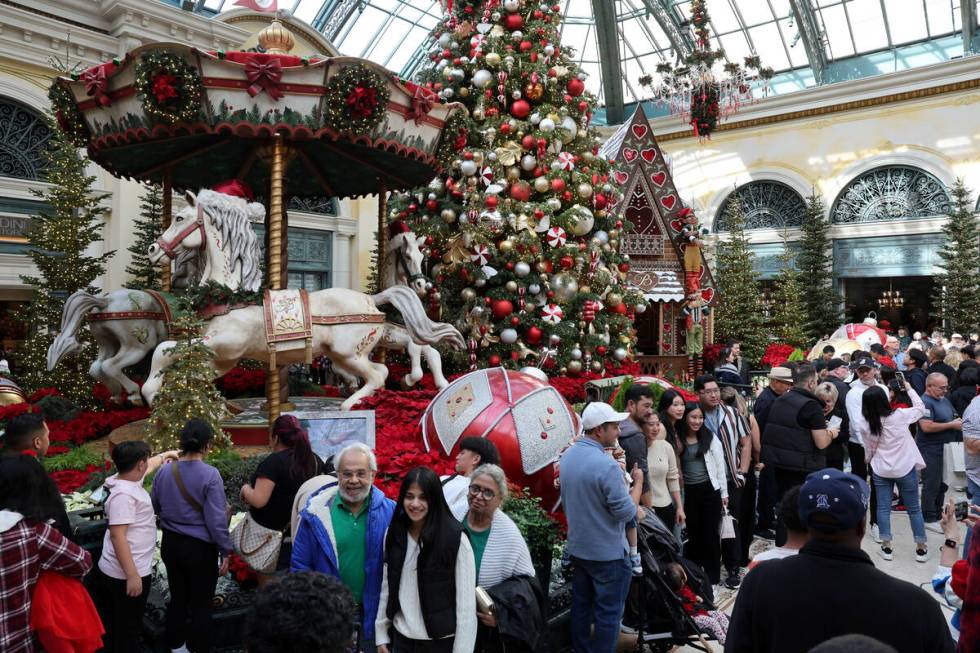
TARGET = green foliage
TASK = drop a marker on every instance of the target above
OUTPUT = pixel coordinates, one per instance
(821, 303)
(958, 305)
(56, 407)
(235, 472)
(739, 315)
(59, 240)
(143, 274)
(540, 531)
(619, 403)
(77, 458)
(188, 390)
(786, 318)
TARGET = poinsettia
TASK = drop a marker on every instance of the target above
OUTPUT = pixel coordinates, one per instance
(777, 354)
(362, 101)
(164, 88)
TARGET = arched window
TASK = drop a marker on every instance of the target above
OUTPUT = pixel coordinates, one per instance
(321, 205)
(23, 141)
(766, 205)
(891, 193)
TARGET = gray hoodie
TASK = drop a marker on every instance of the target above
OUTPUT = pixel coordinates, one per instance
(634, 443)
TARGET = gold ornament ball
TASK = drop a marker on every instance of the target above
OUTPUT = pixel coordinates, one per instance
(468, 294)
(492, 59)
(563, 371)
(624, 340)
(541, 267)
(541, 184)
(614, 299)
(513, 173)
(585, 290)
(464, 92)
(511, 286)
(448, 215)
(479, 115)
(585, 190)
(574, 366)
(613, 244)
(596, 366)
(505, 245)
(588, 156)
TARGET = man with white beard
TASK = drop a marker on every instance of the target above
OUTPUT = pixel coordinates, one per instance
(342, 531)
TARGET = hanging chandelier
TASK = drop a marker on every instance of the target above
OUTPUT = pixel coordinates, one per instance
(891, 299)
(697, 89)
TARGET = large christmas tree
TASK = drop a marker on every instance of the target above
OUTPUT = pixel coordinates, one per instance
(527, 257)
(60, 239)
(959, 296)
(143, 274)
(786, 320)
(739, 316)
(821, 303)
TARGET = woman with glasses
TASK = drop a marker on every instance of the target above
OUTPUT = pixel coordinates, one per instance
(428, 598)
(500, 552)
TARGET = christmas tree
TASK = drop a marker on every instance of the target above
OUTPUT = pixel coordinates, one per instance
(786, 321)
(959, 297)
(60, 238)
(143, 274)
(188, 389)
(739, 315)
(821, 303)
(528, 266)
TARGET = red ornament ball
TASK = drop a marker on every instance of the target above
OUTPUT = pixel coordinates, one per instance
(520, 109)
(527, 419)
(529, 142)
(575, 87)
(620, 308)
(493, 360)
(521, 191)
(601, 350)
(533, 335)
(558, 184)
(501, 308)
(514, 22)
(490, 201)
(624, 267)
(566, 262)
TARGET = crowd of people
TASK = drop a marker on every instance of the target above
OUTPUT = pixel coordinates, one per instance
(443, 569)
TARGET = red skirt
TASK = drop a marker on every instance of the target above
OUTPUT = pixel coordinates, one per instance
(63, 615)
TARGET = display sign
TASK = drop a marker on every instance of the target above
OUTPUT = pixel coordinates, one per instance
(332, 430)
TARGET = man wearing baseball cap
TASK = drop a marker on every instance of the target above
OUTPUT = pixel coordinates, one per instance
(598, 506)
(832, 588)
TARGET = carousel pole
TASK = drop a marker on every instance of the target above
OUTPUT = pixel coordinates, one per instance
(275, 261)
(166, 215)
(382, 235)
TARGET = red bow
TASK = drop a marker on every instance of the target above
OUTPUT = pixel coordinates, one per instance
(96, 85)
(362, 101)
(421, 104)
(264, 76)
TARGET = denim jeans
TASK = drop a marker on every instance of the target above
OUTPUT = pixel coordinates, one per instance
(908, 489)
(933, 488)
(599, 592)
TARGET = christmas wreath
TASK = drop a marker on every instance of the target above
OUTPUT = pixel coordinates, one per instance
(454, 138)
(357, 100)
(170, 87)
(69, 118)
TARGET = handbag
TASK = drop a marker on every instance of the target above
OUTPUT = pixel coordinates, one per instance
(256, 545)
(727, 527)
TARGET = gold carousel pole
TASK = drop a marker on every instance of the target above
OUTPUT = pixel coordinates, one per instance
(166, 215)
(381, 353)
(275, 262)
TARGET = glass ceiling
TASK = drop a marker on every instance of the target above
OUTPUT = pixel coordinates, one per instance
(853, 38)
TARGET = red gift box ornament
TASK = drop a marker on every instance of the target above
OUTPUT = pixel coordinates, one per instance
(96, 85)
(265, 76)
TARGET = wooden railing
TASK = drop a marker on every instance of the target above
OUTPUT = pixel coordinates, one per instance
(674, 367)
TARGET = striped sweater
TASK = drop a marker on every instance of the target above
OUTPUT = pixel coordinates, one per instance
(506, 554)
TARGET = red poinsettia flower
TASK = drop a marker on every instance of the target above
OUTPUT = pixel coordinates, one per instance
(362, 101)
(164, 89)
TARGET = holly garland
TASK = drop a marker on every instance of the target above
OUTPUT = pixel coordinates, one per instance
(356, 100)
(66, 113)
(169, 86)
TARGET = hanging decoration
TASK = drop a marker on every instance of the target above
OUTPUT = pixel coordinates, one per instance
(700, 92)
(169, 86)
(357, 100)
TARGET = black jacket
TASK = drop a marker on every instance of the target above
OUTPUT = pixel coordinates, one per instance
(785, 442)
(945, 370)
(961, 397)
(916, 377)
(762, 406)
(521, 623)
(791, 605)
(840, 409)
(634, 443)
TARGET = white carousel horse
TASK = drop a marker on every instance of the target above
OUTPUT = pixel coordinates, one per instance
(126, 324)
(355, 327)
(402, 263)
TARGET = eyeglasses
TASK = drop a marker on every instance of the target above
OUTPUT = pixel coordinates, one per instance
(360, 474)
(486, 493)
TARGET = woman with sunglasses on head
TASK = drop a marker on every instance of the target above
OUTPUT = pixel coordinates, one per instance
(428, 600)
(499, 549)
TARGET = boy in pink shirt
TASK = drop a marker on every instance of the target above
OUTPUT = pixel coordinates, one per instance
(123, 577)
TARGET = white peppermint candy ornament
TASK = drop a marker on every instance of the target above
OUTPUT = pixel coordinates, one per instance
(486, 175)
(552, 313)
(557, 237)
(480, 255)
(566, 161)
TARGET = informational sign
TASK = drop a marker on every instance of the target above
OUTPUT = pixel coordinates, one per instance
(332, 430)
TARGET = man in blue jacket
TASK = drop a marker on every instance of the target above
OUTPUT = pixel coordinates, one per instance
(598, 507)
(342, 533)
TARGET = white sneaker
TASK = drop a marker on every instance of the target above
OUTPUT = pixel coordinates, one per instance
(875, 535)
(934, 526)
(921, 554)
(886, 551)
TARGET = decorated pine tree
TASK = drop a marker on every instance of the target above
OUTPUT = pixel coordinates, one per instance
(821, 303)
(142, 273)
(739, 314)
(60, 239)
(786, 320)
(187, 390)
(526, 254)
(959, 297)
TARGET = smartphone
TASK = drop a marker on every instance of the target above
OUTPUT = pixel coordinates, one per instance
(902, 384)
(961, 510)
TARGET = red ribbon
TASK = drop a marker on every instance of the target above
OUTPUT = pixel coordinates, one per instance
(96, 85)
(264, 76)
(362, 101)
(421, 104)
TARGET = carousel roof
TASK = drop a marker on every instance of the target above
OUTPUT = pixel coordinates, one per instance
(807, 42)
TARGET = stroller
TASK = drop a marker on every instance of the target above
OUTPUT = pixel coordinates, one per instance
(652, 608)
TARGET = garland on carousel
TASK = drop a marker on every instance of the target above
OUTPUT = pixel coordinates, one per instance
(169, 86)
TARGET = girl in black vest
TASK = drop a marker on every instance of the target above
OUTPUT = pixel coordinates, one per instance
(428, 596)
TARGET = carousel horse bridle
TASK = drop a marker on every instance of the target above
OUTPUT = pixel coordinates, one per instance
(401, 265)
(169, 248)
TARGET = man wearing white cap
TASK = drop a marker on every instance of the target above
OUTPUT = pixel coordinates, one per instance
(598, 507)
